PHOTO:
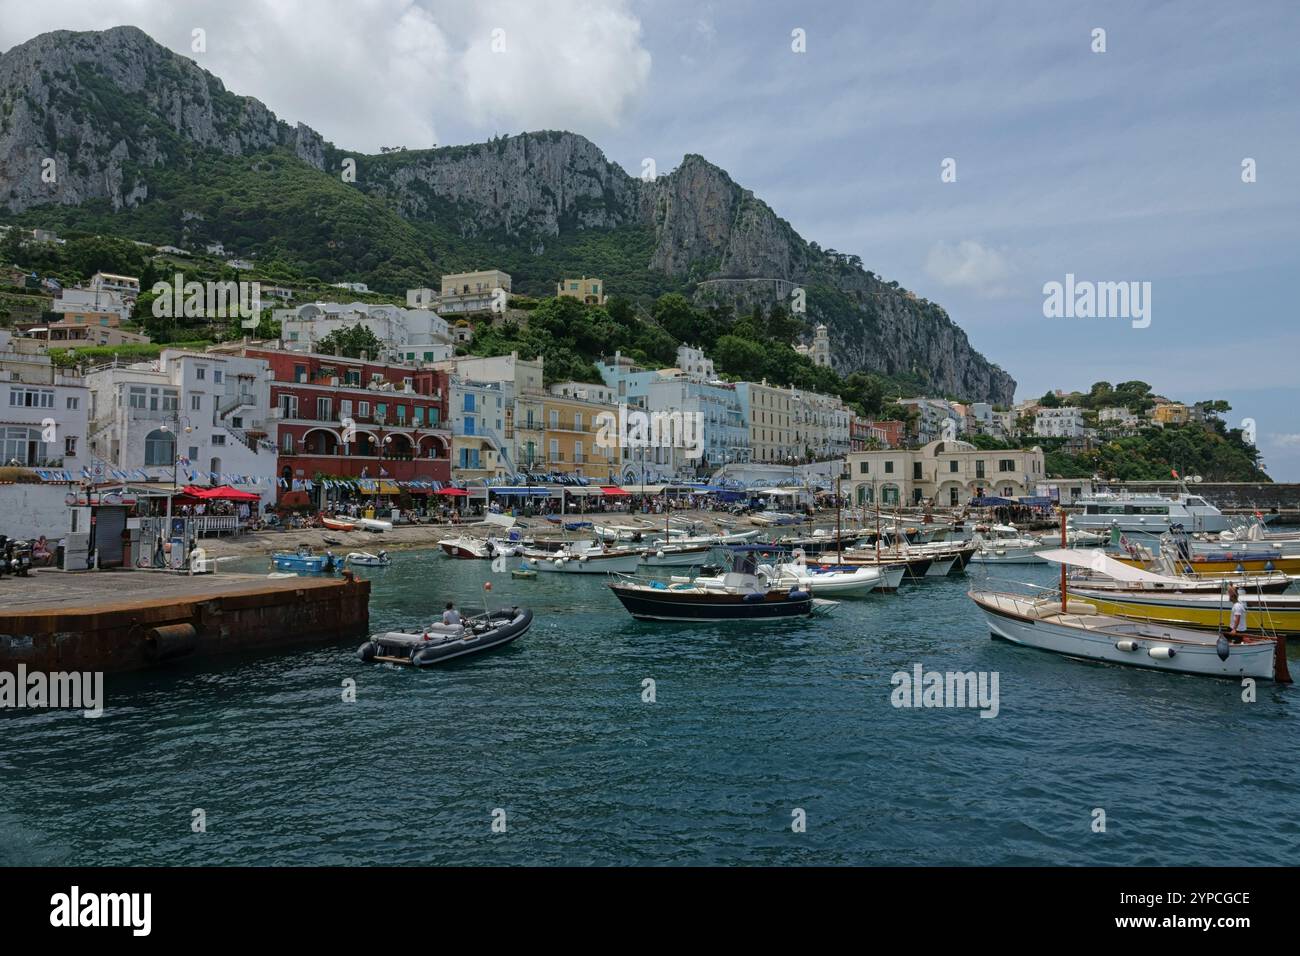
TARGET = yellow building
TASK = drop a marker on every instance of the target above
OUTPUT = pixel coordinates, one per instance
(1172, 413)
(557, 433)
(588, 290)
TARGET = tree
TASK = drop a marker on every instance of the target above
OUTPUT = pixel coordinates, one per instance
(351, 341)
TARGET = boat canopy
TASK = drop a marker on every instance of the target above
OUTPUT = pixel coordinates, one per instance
(1097, 560)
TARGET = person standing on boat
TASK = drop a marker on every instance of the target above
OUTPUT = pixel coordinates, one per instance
(1237, 620)
(451, 616)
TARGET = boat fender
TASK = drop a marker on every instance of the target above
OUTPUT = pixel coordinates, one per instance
(583, 559)
(1162, 653)
(1268, 566)
(753, 597)
(659, 553)
(1221, 648)
(797, 596)
(169, 641)
(558, 562)
(1126, 645)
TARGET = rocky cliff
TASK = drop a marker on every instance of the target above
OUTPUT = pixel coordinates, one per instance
(114, 111)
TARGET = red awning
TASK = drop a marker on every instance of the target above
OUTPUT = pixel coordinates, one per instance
(613, 491)
(221, 493)
(451, 491)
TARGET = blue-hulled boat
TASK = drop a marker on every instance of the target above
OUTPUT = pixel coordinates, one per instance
(305, 561)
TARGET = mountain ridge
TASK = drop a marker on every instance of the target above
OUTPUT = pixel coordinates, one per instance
(139, 134)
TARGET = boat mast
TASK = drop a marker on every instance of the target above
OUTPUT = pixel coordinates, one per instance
(1064, 599)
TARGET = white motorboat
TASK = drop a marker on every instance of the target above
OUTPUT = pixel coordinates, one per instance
(1146, 513)
(372, 524)
(581, 557)
(1004, 544)
(842, 581)
(484, 549)
(365, 559)
(676, 555)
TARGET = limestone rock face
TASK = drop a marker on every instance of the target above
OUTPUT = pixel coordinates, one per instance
(106, 111)
(105, 107)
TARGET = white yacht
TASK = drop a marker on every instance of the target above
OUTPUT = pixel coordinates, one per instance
(1149, 514)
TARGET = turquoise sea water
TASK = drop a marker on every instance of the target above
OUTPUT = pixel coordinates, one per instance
(750, 724)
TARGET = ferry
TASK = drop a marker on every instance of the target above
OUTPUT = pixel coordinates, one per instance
(1147, 514)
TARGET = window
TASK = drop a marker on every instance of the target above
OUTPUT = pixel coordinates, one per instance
(160, 448)
(218, 439)
(555, 418)
(953, 467)
(1006, 464)
(555, 449)
(469, 402)
(216, 375)
(194, 453)
(363, 409)
(916, 471)
(70, 446)
(73, 404)
(200, 373)
(286, 442)
(324, 409)
(300, 373)
(979, 468)
(288, 406)
(138, 397)
(577, 421)
(470, 425)
(889, 470)
(196, 403)
(577, 451)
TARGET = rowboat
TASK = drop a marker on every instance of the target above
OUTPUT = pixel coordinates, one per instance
(365, 559)
(373, 524)
(338, 523)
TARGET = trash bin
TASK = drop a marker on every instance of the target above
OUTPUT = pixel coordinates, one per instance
(58, 556)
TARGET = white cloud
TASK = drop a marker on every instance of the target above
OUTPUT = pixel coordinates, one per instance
(968, 265)
(371, 73)
(1285, 440)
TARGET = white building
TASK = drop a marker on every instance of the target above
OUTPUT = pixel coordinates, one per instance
(477, 412)
(43, 412)
(128, 287)
(98, 301)
(1064, 422)
(352, 286)
(411, 335)
(585, 391)
(203, 417)
(1118, 419)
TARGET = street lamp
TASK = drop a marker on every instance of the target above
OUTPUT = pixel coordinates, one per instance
(186, 428)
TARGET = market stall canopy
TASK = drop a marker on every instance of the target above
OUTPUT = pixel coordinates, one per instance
(613, 491)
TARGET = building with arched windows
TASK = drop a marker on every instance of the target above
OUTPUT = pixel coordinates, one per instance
(948, 473)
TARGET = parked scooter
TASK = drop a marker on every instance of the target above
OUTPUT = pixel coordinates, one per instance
(15, 557)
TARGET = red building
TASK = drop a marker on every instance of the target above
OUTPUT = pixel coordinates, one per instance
(887, 433)
(355, 418)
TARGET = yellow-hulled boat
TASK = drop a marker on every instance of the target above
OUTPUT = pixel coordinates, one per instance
(1212, 566)
(1265, 613)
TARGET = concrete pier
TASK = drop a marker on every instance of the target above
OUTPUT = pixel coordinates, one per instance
(128, 620)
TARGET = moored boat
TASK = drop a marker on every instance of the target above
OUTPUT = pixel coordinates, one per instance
(304, 560)
(365, 559)
(1265, 613)
(581, 557)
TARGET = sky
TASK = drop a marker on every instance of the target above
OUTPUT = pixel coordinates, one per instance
(1114, 157)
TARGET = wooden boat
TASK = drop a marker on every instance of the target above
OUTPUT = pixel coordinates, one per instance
(338, 523)
(1200, 564)
(1266, 613)
(1081, 632)
(439, 643)
(1074, 627)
